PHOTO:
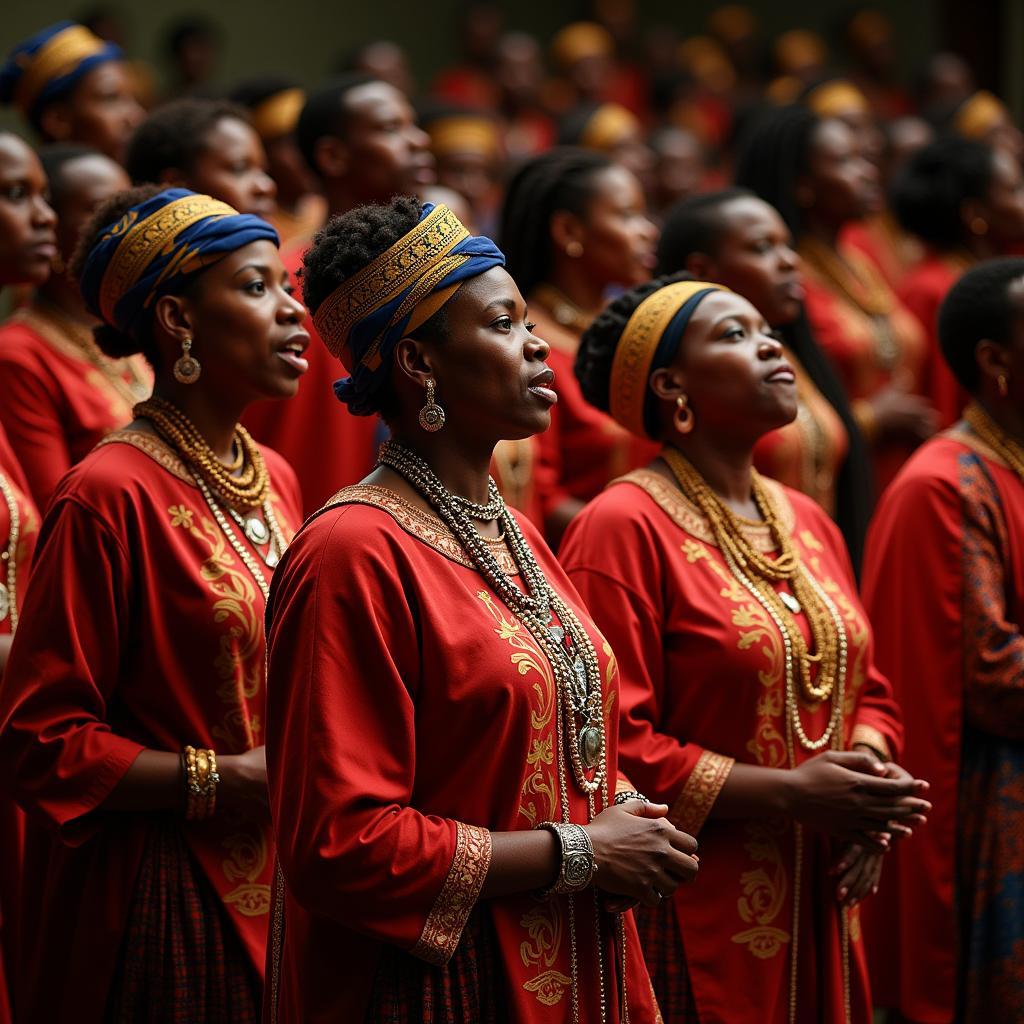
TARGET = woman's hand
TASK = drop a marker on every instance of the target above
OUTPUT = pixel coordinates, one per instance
(243, 783)
(851, 794)
(859, 871)
(640, 854)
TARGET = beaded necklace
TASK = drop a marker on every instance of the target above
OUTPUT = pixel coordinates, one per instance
(567, 647)
(9, 590)
(1009, 450)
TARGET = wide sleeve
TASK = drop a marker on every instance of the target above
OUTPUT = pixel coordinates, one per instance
(994, 646)
(344, 667)
(58, 750)
(30, 417)
(600, 560)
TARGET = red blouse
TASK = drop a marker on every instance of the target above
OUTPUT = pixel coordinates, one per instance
(142, 629)
(410, 715)
(60, 397)
(324, 443)
(702, 687)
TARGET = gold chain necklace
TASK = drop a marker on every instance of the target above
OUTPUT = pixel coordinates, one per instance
(9, 590)
(1009, 450)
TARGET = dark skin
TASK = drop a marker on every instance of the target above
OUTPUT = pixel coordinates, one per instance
(739, 387)
(1004, 358)
(100, 111)
(28, 237)
(294, 180)
(87, 182)
(246, 327)
(841, 185)
(994, 225)
(232, 167)
(384, 152)
(493, 383)
(615, 242)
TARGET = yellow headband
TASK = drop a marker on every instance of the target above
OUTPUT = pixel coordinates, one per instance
(609, 126)
(417, 262)
(57, 57)
(834, 99)
(979, 115)
(145, 239)
(278, 114)
(462, 134)
(631, 365)
(580, 40)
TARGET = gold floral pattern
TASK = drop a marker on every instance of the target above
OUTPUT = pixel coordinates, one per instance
(700, 791)
(544, 925)
(763, 891)
(247, 858)
(458, 896)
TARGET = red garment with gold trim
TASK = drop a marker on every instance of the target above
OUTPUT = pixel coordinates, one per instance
(703, 686)
(584, 447)
(56, 404)
(142, 629)
(12, 819)
(944, 582)
(922, 292)
(410, 715)
(324, 443)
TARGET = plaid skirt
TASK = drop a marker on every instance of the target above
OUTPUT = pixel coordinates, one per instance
(466, 990)
(666, 962)
(181, 961)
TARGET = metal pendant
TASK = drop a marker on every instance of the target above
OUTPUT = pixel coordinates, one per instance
(557, 634)
(256, 530)
(578, 686)
(271, 558)
(590, 746)
(5, 602)
(790, 602)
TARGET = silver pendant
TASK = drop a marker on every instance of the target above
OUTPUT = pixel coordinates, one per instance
(5, 602)
(557, 634)
(578, 686)
(257, 531)
(272, 558)
(790, 602)
(590, 746)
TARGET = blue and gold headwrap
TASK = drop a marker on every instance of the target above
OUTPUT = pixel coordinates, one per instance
(649, 342)
(50, 63)
(154, 245)
(363, 319)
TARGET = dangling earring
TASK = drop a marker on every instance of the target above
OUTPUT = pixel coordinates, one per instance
(431, 415)
(187, 368)
(1004, 387)
(574, 250)
(683, 418)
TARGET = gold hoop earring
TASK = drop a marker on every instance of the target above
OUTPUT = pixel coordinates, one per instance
(1003, 384)
(683, 416)
(574, 250)
(431, 415)
(187, 368)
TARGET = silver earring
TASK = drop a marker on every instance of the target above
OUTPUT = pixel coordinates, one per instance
(431, 415)
(187, 368)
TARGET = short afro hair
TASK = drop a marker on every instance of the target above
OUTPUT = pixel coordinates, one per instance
(175, 135)
(325, 114)
(929, 191)
(695, 225)
(348, 244)
(978, 308)
(600, 340)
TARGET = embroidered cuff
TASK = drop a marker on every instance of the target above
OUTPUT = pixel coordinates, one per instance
(623, 785)
(452, 908)
(698, 796)
(872, 738)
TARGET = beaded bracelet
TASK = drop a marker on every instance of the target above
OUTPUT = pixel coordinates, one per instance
(578, 867)
(201, 778)
(629, 794)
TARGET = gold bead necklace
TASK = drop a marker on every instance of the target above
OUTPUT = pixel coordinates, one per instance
(1009, 450)
(9, 590)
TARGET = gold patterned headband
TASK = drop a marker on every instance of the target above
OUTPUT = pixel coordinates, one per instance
(631, 366)
(609, 126)
(416, 263)
(979, 115)
(464, 134)
(57, 57)
(145, 239)
(834, 99)
(278, 114)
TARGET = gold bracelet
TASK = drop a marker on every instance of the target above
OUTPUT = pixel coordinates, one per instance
(201, 778)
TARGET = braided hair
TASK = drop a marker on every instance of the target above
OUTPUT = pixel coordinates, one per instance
(561, 179)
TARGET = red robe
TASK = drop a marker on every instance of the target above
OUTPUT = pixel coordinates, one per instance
(324, 443)
(12, 820)
(584, 447)
(410, 715)
(922, 292)
(703, 687)
(944, 583)
(142, 629)
(57, 404)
